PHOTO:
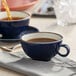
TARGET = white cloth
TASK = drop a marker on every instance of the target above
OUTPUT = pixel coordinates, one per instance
(35, 68)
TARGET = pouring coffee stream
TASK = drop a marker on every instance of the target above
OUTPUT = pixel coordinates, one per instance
(4, 2)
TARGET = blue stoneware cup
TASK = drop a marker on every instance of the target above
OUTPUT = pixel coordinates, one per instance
(29, 29)
(12, 29)
(43, 51)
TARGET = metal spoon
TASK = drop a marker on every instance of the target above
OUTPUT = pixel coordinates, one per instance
(9, 50)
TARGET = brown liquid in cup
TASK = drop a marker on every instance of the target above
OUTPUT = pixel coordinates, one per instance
(13, 18)
(42, 40)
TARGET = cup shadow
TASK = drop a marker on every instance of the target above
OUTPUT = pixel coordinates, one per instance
(41, 66)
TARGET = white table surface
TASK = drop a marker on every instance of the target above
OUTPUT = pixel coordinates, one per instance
(49, 25)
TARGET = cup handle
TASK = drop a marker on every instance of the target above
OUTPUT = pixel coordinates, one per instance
(67, 49)
(1, 35)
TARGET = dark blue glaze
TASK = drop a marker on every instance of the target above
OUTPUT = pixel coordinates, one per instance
(42, 52)
(12, 29)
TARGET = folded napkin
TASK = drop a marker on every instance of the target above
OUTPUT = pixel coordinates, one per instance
(21, 63)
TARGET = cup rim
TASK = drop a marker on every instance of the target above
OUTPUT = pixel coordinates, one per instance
(43, 42)
(28, 17)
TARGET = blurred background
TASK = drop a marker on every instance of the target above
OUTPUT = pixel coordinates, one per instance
(44, 8)
(33, 7)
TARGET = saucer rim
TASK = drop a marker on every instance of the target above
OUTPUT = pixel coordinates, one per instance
(19, 39)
